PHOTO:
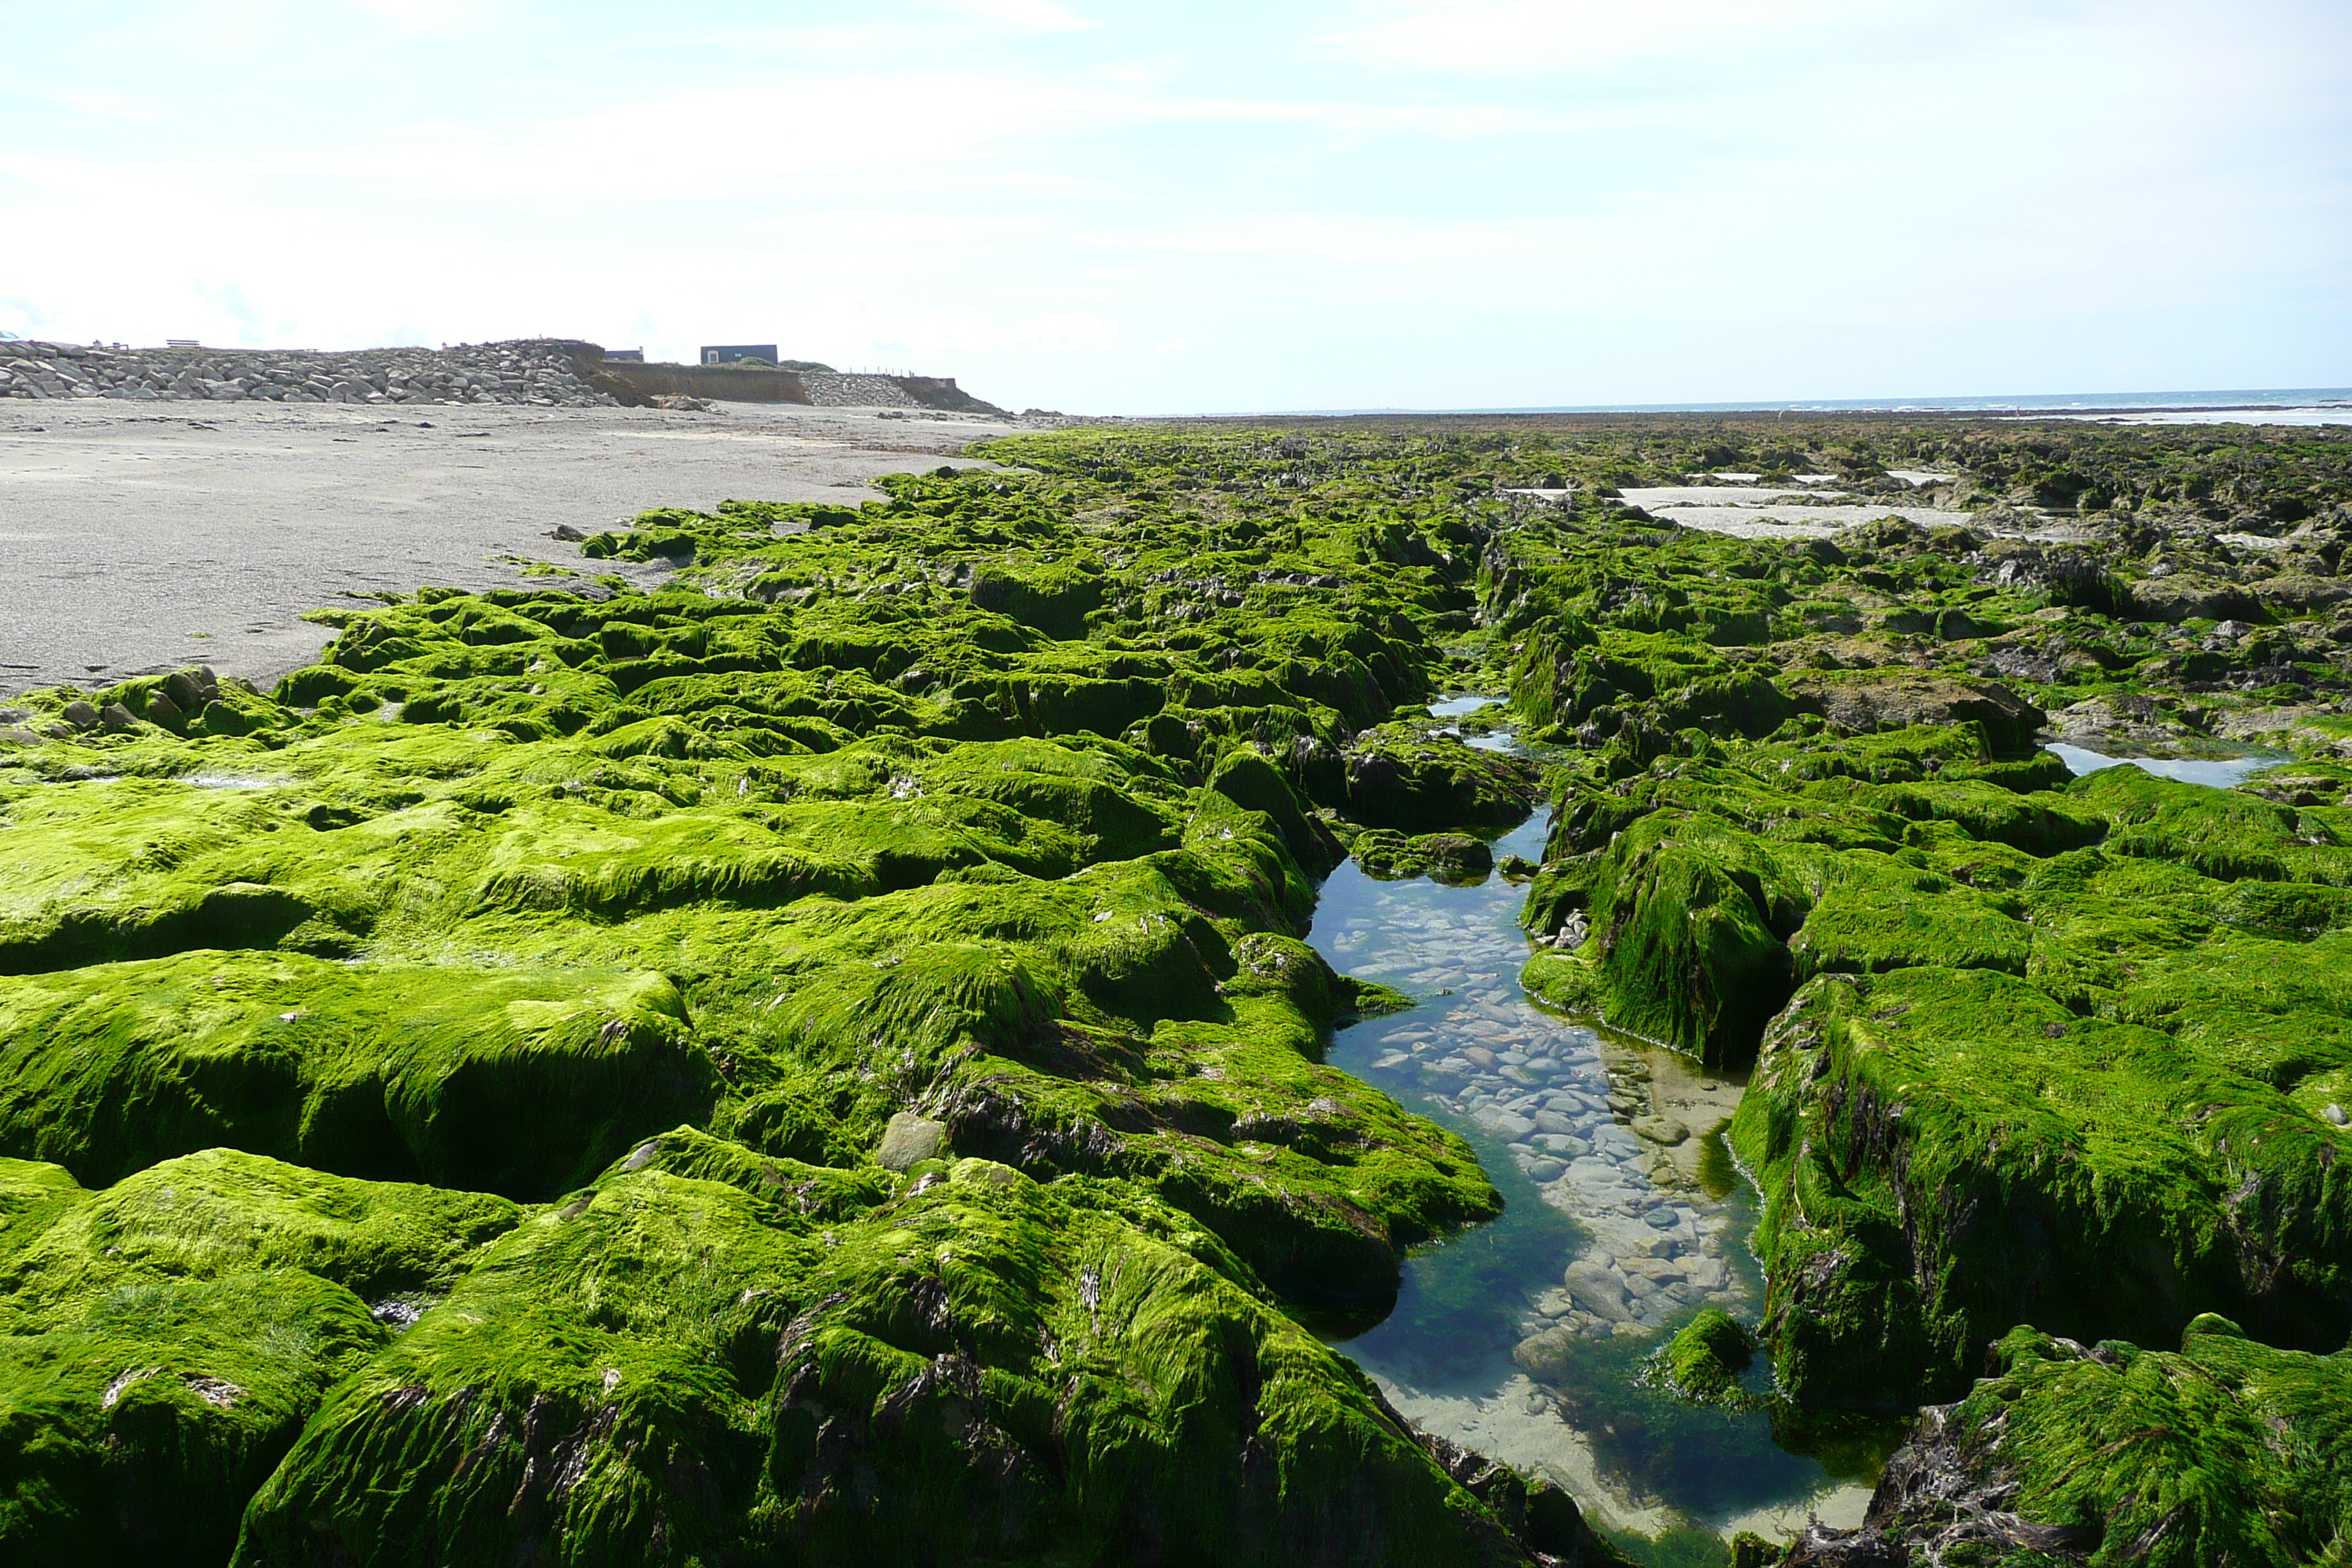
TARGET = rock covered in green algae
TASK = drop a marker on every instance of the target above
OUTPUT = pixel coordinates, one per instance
(521, 1081)
(2226, 1451)
(1452, 857)
(885, 816)
(1705, 1358)
(996, 805)
(1398, 778)
(163, 1341)
(973, 1367)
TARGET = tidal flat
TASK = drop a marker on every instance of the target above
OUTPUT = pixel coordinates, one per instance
(1317, 991)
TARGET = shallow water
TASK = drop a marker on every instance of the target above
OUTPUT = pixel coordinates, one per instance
(2220, 772)
(1650, 497)
(1796, 521)
(1613, 1185)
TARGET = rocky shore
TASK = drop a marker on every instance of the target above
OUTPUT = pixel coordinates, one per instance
(531, 374)
(524, 372)
(811, 1054)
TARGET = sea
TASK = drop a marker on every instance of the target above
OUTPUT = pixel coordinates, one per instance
(2314, 406)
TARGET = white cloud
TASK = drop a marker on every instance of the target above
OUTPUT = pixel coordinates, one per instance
(1522, 35)
(1027, 15)
(431, 16)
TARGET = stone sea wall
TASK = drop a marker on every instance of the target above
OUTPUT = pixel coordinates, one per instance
(537, 373)
(540, 372)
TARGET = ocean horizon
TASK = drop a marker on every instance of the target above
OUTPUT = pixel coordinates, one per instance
(2333, 403)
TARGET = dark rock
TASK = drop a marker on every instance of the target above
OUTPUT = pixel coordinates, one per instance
(2301, 593)
(2185, 596)
(1880, 703)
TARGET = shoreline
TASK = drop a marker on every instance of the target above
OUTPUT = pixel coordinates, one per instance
(148, 536)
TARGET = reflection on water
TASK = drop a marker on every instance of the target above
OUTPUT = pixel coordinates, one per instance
(2220, 772)
(1526, 1338)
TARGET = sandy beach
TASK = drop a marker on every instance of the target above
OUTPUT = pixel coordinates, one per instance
(152, 536)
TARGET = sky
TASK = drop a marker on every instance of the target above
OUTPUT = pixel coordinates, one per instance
(1130, 208)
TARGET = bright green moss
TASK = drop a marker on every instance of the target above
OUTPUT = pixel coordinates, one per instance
(1706, 1357)
(970, 804)
(2226, 1451)
(162, 1341)
(982, 1370)
(999, 803)
(515, 1081)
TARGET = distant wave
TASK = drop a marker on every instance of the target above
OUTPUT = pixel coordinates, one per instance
(2248, 399)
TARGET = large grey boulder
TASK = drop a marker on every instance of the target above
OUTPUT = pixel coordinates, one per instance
(910, 1140)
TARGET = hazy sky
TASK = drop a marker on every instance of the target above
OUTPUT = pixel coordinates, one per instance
(1133, 208)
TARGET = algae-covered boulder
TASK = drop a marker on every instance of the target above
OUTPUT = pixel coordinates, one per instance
(2187, 595)
(2026, 1163)
(1397, 779)
(1878, 702)
(519, 1081)
(1706, 1355)
(1685, 929)
(1453, 857)
(984, 1370)
(1054, 600)
(162, 1341)
(2228, 1450)
(1246, 777)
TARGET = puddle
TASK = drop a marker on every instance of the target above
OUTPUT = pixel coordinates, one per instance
(1526, 1338)
(1650, 497)
(1796, 521)
(2220, 772)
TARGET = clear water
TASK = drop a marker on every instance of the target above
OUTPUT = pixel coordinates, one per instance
(1656, 1230)
(2220, 772)
(2326, 399)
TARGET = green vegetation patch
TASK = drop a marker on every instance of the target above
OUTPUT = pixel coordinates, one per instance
(2226, 1451)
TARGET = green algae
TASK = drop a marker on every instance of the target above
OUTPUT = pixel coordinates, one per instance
(1000, 801)
(163, 1341)
(963, 804)
(985, 1367)
(1706, 1355)
(518, 1081)
(2226, 1451)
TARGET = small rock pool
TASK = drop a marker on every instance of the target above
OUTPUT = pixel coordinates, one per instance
(2219, 773)
(1526, 1338)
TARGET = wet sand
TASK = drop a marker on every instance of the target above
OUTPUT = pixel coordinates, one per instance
(147, 537)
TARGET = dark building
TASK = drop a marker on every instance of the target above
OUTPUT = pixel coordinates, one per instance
(628, 356)
(736, 354)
